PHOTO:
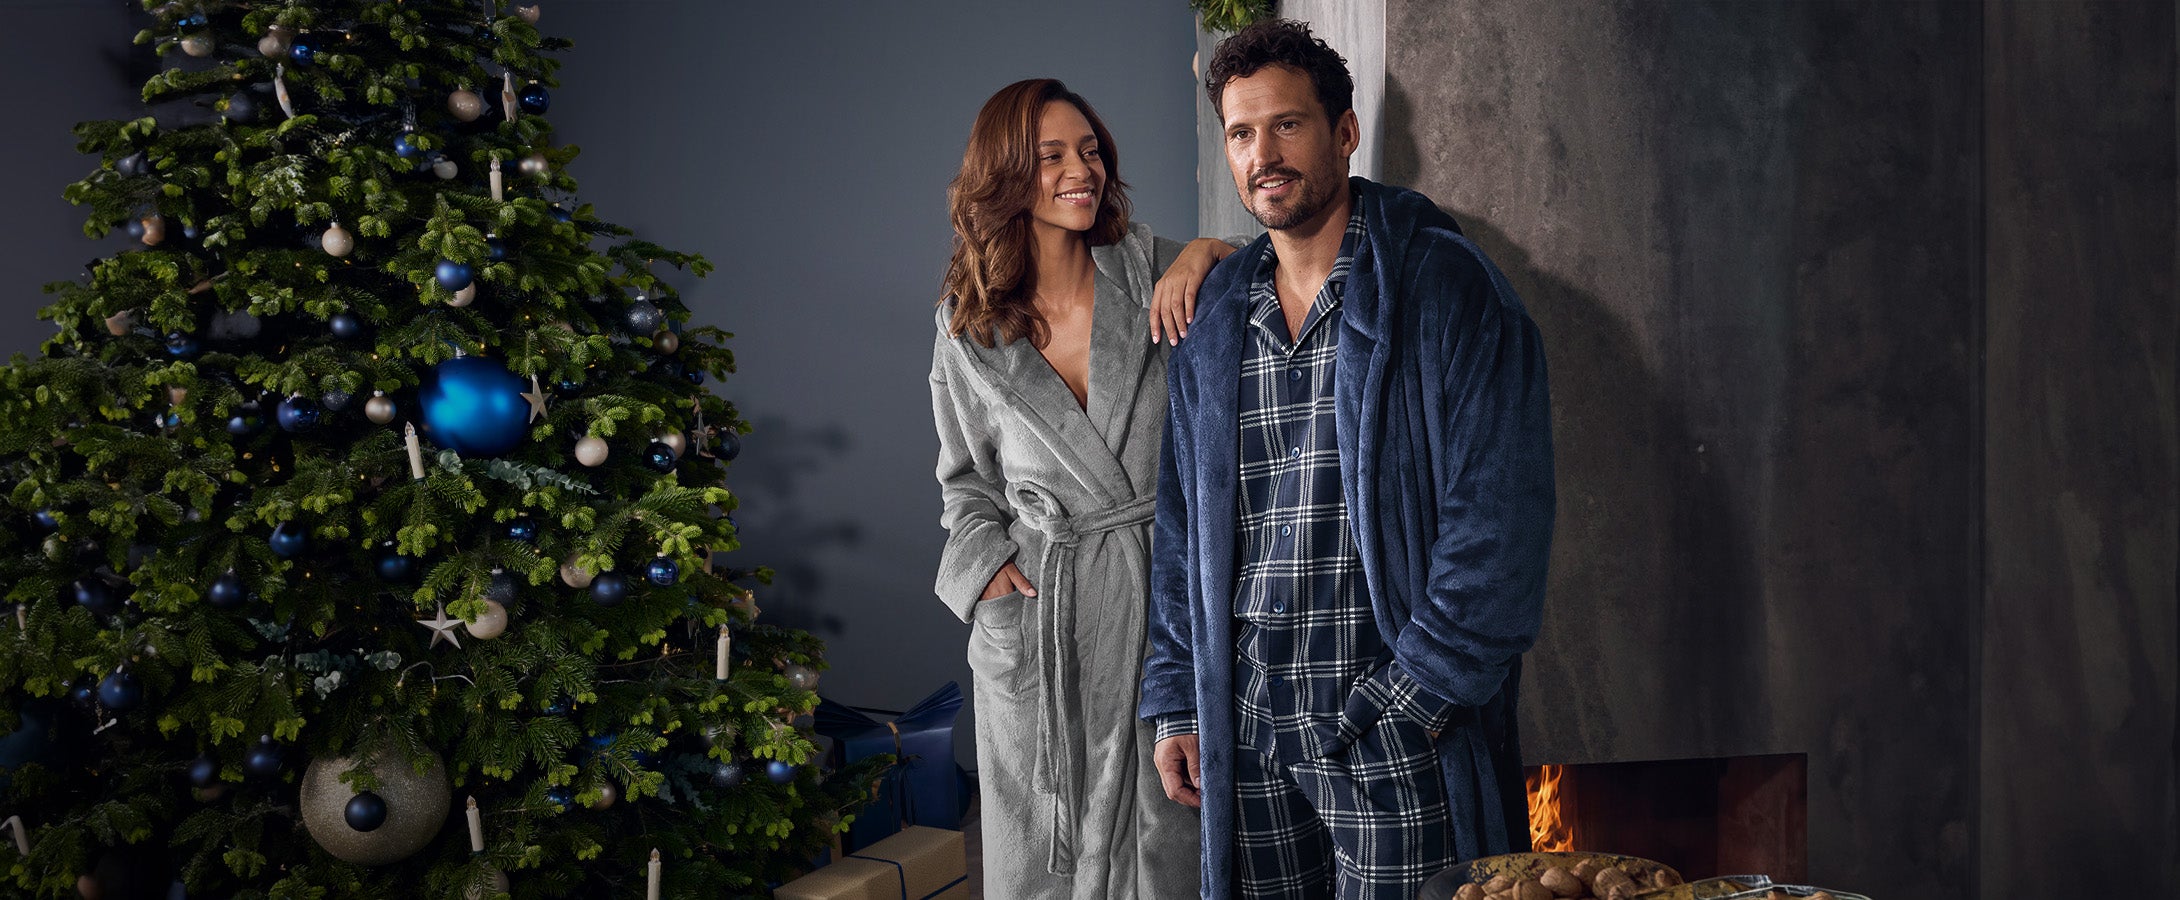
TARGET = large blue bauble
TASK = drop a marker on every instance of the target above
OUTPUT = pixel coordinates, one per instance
(366, 812)
(780, 771)
(454, 276)
(288, 540)
(120, 692)
(608, 588)
(534, 99)
(265, 759)
(662, 571)
(226, 591)
(298, 414)
(660, 456)
(474, 406)
(730, 444)
(96, 595)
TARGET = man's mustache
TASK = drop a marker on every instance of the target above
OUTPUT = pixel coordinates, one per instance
(1289, 174)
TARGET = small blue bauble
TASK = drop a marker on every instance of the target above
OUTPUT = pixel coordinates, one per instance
(780, 771)
(132, 165)
(662, 571)
(608, 588)
(567, 387)
(502, 588)
(344, 326)
(96, 595)
(45, 519)
(241, 107)
(396, 567)
(557, 707)
(405, 148)
(560, 215)
(134, 228)
(83, 692)
(303, 53)
(560, 796)
(191, 20)
(695, 376)
(454, 276)
(226, 591)
(534, 99)
(522, 528)
(366, 812)
(120, 692)
(730, 445)
(288, 540)
(474, 406)
(181, 346)
(204, 771)
(660, 457)
(728, 774)
(599, 743)
(265, 759)
(495, 249)
(298, 414)
(189, 230)
(245, 423)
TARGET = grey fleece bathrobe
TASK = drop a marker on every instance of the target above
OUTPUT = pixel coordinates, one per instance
(1072, 805)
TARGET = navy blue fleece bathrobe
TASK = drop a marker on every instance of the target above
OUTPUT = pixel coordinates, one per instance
(1446, 465)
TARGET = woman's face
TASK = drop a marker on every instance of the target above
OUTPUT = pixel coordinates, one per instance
(1070, 170)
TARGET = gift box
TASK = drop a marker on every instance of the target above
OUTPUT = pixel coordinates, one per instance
(926, 787)
(917, 864)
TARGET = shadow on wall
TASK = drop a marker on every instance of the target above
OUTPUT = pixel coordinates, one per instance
(773, 479)
(1653, 629)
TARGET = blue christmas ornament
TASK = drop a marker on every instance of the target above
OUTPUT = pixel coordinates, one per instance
(560, 796)
(134, 227)
(662, 571)
(181, 346)
(557, 707)
(560, 215)
(730, 444)
(599, 743)
(344, 326)
(189, 230)
(495, 249)
(133, 165)
(120, 692)
(395, 567)
(567, 387)
(241, 107)
(298, 414)
(83, 692)
(695, 376)
(522, 528)
(226, 591)
(474, 406)
(454, 276)
(204, 771)
(608, 588)
(265, 759)
(192, 20)
(728, 774)
(780, 771)
(534, 99)
(45, 519)
(304, 55)
(96, 595)
(365, 812)
(248, 422)
(288, 540)
(660, 456)
(405, 148)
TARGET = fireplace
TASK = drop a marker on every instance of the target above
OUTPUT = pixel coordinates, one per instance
(1704, 817)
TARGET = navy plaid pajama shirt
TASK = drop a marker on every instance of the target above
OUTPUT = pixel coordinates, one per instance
(1371, 819)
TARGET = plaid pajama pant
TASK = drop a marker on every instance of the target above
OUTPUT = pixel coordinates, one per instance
(1368, 821)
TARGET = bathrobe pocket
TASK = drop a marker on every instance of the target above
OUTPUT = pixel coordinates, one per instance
(997, 647)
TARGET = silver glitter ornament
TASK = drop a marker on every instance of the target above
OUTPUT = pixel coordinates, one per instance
(416, 808)
(534, 164)
(644, 316)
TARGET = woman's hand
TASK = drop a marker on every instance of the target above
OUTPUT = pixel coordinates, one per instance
(1006, 581)
(1173, 301)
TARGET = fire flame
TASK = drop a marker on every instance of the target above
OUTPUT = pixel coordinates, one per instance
(1548, 830)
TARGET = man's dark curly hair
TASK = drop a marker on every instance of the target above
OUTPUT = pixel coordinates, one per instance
(1281, 42)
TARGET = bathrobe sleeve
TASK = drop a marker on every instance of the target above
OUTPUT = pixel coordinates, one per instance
(1169, 671)
(975, 513)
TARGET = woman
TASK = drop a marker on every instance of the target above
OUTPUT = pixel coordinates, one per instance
(1050, 405)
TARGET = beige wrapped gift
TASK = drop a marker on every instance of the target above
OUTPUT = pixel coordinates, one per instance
(919, 863)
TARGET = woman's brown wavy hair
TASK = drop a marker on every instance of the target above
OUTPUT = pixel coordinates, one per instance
(990, 279)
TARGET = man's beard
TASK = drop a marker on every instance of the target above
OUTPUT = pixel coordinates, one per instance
(1307, 201)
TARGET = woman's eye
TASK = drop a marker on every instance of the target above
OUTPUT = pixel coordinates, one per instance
(1050, 157)
(1090, 153)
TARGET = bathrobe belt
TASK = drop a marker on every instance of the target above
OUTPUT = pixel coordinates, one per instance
(1059, 763)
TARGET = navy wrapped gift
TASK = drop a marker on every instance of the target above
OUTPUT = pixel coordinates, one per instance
(926, 787)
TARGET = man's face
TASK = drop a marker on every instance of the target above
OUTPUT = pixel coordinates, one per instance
(1289, 159)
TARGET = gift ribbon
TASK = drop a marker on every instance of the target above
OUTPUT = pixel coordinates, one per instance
(900, 872)
(1059, 762)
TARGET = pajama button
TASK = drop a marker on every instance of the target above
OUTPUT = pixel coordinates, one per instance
(1279, 606)
(1294, 374)
(1286, 529)
(1294, 453)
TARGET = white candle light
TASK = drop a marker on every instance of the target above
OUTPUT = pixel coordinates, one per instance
(476, 828)
(652, 892)
(22, 840)
(416, 454)
(495, 178)
(726, 646)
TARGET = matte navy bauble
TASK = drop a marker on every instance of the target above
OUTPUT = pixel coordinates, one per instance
(609, 588)
(265, 759)
(495, 249)
(659, 456)
(502, 588)
(454, 276)
(474, 406)
(181, 346)
(695, 376)
(780, 771)
(132, 165)
(96, 595)
(344, 326)
(204, 771)
(298, 414)
(120, 692)
(288, 540)
(730, 444)
(522, 528)
(662, 571)
(365, 812)
(226, 591)
(396, 567)
(83, 692)
(559, 214)
(534, 99)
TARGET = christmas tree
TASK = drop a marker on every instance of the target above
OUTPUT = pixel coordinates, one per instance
(373, 480)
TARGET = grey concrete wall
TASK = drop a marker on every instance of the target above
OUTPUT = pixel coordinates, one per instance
(2079, 673)
(805, 148)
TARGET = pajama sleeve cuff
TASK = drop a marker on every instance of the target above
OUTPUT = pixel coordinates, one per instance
(1175, 724)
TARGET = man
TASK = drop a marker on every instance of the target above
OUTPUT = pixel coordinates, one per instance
(1354, 513)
